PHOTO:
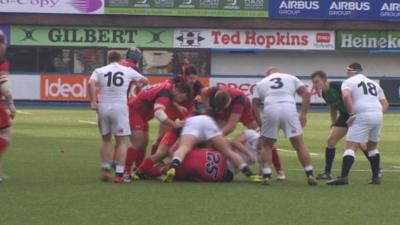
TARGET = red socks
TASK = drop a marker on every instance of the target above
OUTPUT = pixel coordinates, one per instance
(131, 155)
(276, 160)
(145, 166)
(3, 145)
(154, 147)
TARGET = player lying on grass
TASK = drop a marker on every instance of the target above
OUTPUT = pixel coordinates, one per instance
(332, 94)
(365, 101)
(181, 110)
(200, 129)
(152, 102)
(198, 164)
(5, 92)
(231, 106)
(113, 81)
(276, 91)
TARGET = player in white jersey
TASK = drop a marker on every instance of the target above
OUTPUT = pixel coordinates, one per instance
(365, 102)
(277, 92)
(113, 81)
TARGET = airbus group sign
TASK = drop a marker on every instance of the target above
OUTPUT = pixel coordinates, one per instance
(336, 9)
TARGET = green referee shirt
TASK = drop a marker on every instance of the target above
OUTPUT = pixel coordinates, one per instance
(333, 96)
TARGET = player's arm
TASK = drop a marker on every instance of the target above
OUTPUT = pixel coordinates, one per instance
(231, 124)
(305, 95)
(160, 115)
(238, 144)
(205, 98)
(256, 102)
(333, 113)
(385, 104)
(348, 101)
(182, 109)
(92, 90)
(6, 92)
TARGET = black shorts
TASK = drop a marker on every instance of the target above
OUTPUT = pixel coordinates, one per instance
(341, 120)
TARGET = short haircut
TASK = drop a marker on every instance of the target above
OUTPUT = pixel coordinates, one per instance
(222, 98)
(319, 73)
(184, 88)
(189, 70)
(114, 56)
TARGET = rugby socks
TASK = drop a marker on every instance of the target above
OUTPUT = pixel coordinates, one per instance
(140, 154)
(276, 160)
(374, 160)
(246, 170)
(348, 160)
(154, 171)
(309, 170)
(329, 157)
(119, 170)
(266, 172)
(106, 166)
(176, 162)
(131, 155)
(3, 145)
(146, 165)
(154, 147)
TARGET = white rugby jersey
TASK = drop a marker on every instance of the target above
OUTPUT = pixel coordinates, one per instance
(114, 80)
(278, 87)
(366, 94)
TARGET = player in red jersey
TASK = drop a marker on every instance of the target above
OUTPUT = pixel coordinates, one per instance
(152, 102)
(231, 106)
(133, 57)
(183, 109)
(5, 123)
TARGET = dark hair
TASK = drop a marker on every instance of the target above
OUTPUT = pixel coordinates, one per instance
(189, 70)
(221, 100)
(114, 56)
(319, 73)
(184, 88)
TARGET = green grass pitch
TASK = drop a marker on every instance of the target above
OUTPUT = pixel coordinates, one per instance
(54, 167)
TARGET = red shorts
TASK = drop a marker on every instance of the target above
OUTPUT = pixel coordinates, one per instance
(4, 118)
(169, 138)
(137, 122)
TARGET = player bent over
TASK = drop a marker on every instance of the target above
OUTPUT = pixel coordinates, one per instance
(5, 123)
(152, 102)
(332, 94)
(277, 91)
(112, 111)
(365, 101)
(203, 128)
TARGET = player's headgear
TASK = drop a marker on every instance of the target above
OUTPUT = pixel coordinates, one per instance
(134, 54)
(355, 67)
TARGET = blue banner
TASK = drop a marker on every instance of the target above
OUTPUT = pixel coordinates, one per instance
(335, 9)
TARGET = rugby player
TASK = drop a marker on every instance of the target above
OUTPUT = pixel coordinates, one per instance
(132, 60)
(5, 123)
(113, 81)
(332, 94)
(200, 129)
(365, 101)
(152, 102)
(277, 91)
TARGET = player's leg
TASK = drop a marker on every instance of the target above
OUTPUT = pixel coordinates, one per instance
(135, 153)
(5, 139)
(347, 162)
(276, 160)
(374, 160)
(304, 157)
(335, 135)
(105, 148)
(267, 145)
(121, 146)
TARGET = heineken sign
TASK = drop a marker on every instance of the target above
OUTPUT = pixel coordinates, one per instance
(368, 40)
(91, 36)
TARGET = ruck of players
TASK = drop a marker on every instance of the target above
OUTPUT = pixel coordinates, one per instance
(195, 123)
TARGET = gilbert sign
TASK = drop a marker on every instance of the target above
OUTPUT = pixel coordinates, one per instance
(254, 39)
(53, 6)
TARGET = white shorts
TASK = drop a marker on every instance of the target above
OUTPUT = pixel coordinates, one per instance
(281, 116)
(202, 127)
(113, 118)
(366, 127)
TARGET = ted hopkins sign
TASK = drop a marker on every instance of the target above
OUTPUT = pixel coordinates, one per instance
(336, 9)
(91, 36)
(368, 40)
(254, 39)
(53, 6)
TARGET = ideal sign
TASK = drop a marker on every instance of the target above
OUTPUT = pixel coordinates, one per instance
(254, 39)
(64, 88)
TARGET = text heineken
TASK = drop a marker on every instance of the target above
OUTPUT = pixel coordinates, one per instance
(369, 40)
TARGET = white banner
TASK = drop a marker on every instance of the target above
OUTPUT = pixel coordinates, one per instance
(247, 85)
(25, 87)
(53, 6)
(254, 39)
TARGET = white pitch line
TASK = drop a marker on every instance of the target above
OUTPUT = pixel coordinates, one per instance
(291, 151)
(87, 122)
(396, 167)
(24, 112)
(390, 171)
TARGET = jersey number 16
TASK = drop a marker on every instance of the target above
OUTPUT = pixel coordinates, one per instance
(116, 79)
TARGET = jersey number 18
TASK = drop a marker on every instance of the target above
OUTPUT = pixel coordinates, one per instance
(368, 88)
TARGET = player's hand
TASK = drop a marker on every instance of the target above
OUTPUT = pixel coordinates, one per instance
(253, 158)
(94, 105)
(178, 124)
(181, 109)
(303, 120)
(13, 110)
(350, 121)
